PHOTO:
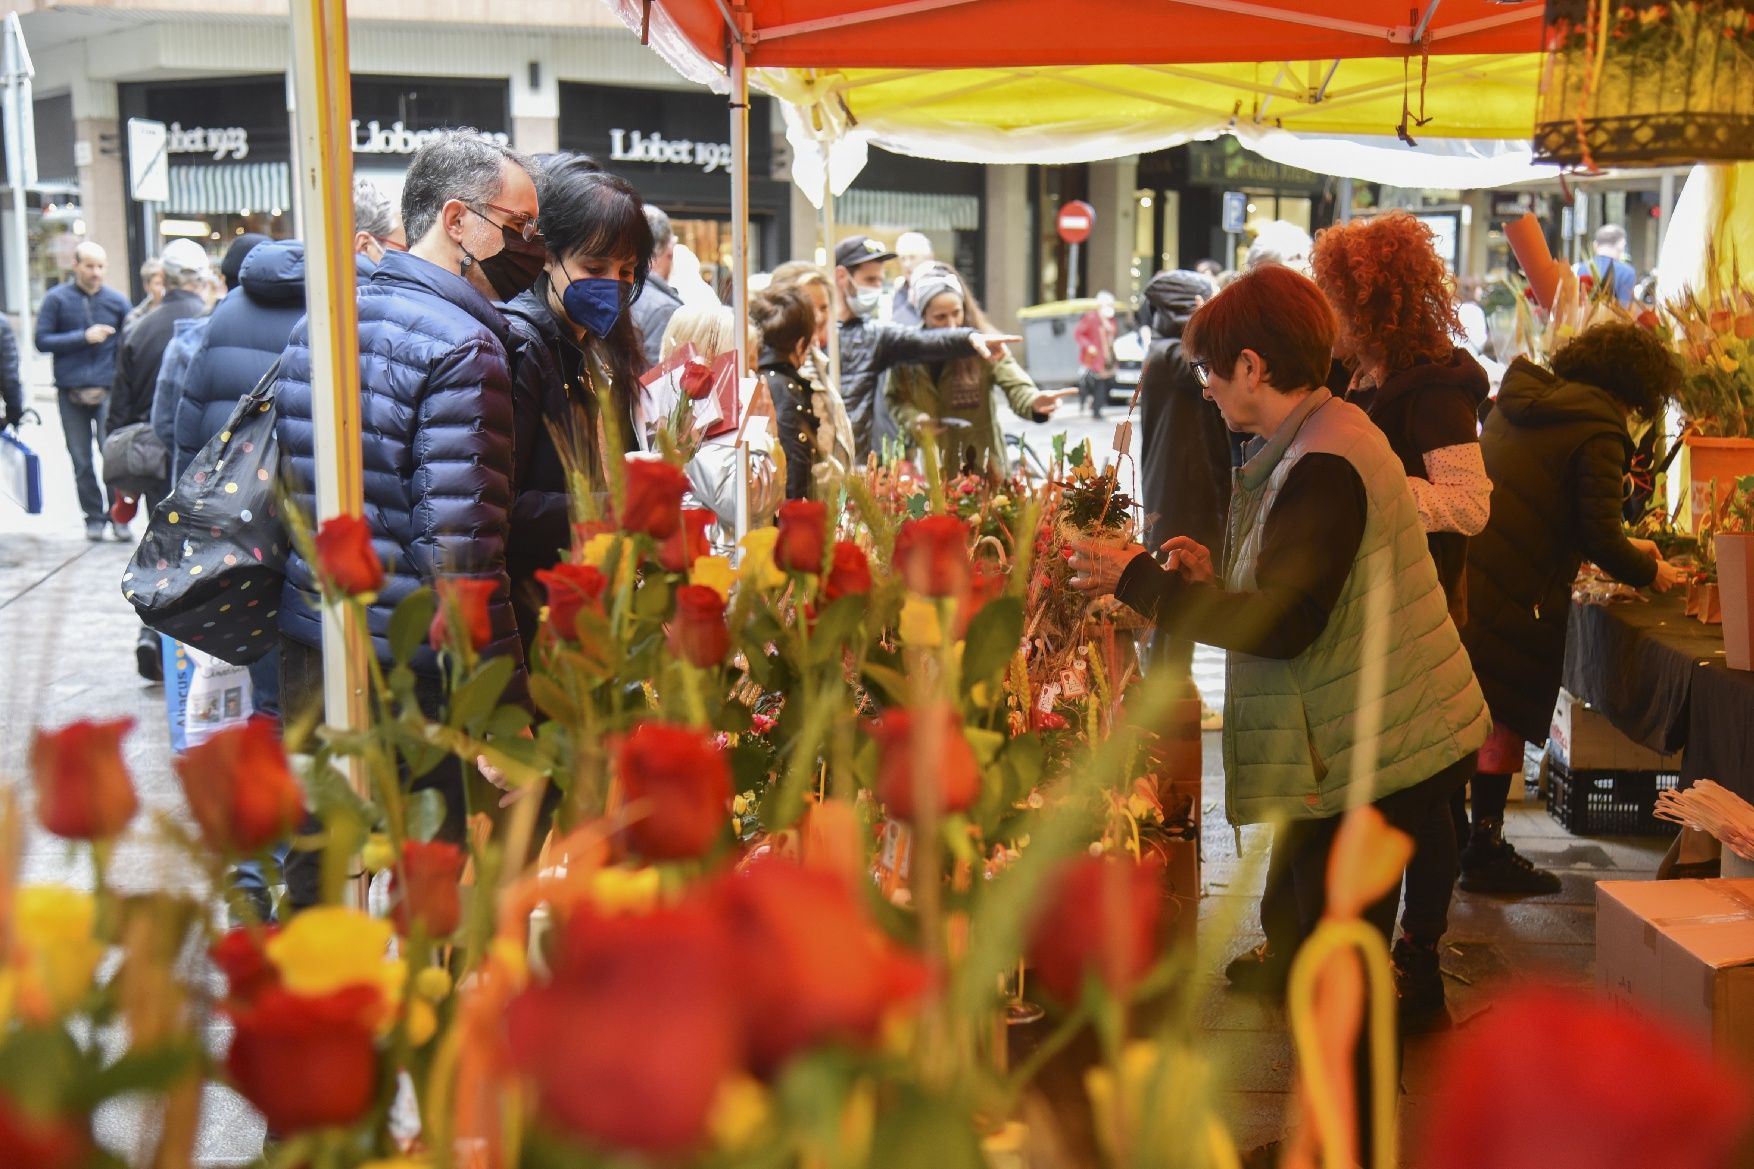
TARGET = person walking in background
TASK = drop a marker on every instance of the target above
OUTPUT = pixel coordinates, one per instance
(78, 324)
(786, 319)
(11, 384)
(1279, 242)
(1095, 336)
(1556, 447)
(951, 402)
(1390, 291)
(833, 458)
(657, 301)
(1184, 446)
(1609, 267)
(869, 347)
(912, 248)
(152, 280)
(438, 471)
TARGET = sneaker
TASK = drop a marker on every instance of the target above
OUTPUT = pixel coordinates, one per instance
(1259, 971)
(148, 656)
(94, 530)
(1491, 864)
(1418, 988)
(120, 533)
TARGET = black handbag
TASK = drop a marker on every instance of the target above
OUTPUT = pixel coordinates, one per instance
(135, 460)
(209, 570)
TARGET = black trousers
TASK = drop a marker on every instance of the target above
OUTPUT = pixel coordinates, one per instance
(83, 428)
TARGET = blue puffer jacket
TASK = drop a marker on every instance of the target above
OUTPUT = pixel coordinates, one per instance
(436, 423)
(66, 313)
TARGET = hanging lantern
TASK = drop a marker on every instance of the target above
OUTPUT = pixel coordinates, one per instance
(1646, 82)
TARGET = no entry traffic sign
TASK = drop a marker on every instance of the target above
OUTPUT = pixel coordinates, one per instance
(1075, 221)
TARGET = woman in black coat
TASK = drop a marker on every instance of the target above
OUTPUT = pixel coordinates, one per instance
(1556, 447)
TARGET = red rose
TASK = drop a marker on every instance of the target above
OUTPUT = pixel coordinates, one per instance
(698, 634)
(654, 498)
(585, 531)
(688, 542)
(242, 957)
(467, 597)
(810, 964)
(680, 781)
(931, 739)
(986, 584)
(306, 1061)
(425, 888)
(83, 788)
(1048, 720)
(697, 379)
(803, 525)
(629, 1042)
(1624, 1089)
(346, 560)
(572, 588)
(42, 1142)
(1648, 319)
(932, 555)
(240, 789)
(849, 573)
(1097, 917)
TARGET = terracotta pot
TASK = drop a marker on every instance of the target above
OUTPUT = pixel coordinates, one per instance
(1722, 459)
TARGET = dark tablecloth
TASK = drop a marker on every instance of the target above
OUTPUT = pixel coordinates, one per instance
(1659, 676)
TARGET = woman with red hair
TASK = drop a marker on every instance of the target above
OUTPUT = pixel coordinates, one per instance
(1394, 300)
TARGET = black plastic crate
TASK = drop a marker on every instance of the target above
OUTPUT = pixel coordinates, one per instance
(1608, 803)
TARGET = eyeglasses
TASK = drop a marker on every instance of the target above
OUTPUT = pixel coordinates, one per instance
(390, 245)
(517, 221)
(1203, 372)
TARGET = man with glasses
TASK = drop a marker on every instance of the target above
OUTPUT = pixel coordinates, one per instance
(436, 407)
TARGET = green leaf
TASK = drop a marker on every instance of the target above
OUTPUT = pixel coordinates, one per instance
(922, 1130)
(508, 722)
(992, 640)
(552, 699)
(140, 1071)
(410, 622)
(651, 601)
(891, 683)
(475, 699)
(835, 626)
(426, 814)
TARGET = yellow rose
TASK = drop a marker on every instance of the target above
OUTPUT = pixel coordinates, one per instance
(56, 953)
(324, 949)
(919, 624)
(624, 890)
(598, 547)
(715, 572)
(758, 567)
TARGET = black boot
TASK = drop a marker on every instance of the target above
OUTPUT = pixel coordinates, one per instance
(1261, 970)
(148, 656)
(1491, 864)
(1419, 987)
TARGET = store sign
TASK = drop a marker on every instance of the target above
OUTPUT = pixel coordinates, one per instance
(221, 143)
(637, 146)
(1224, 164)
(375, 138)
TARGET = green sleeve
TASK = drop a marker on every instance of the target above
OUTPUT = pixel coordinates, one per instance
(1019, 390)
(907, 395)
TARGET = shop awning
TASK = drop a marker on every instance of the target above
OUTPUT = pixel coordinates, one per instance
(229, 189)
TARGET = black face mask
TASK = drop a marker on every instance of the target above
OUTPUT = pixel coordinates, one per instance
(514, 268)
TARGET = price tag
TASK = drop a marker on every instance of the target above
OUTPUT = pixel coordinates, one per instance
(1124, 436)
(1072, 684)
(1050, 695)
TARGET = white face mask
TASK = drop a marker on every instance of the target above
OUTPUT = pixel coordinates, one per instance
(865, 300)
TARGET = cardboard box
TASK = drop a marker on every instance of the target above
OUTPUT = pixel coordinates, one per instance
(1582, 739)
(1684, 950)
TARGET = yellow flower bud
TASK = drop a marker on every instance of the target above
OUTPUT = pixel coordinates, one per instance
(740, 804)
(739, 1112)
(625, 890)
(422, 1022)
(378, 854)
(432, 983)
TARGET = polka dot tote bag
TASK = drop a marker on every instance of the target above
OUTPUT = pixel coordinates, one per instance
(209, 569)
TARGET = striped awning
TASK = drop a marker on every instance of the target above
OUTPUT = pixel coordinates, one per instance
(905, 210)
(229, 188)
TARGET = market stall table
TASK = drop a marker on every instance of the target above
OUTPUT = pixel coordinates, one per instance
(1659, 676)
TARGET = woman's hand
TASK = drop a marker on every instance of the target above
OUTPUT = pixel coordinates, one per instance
(1190, 558)
(1668, 576)
(1099, 565)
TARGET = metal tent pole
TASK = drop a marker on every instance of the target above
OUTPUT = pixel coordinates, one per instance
(834, 310)
(325, 185)
(740, 252)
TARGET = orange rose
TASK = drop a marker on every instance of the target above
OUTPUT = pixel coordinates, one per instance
(933, 736)
(654, 498)
(240, 789)
(83, 788)
(468, 598)
(346, 560)
(425, 888)
(680, 780)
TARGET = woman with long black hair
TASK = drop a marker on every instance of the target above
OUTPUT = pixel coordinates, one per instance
(576, 351)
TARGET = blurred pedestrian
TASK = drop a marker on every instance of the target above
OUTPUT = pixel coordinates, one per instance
(1279, 242)
(713, 472)
(78, 324)
(1609, 268)
(786, 319)
(912, 248)
(950, 402)
(657, 301)
(1095, 336)
(833, 458)
(11, 384)
(152, 281)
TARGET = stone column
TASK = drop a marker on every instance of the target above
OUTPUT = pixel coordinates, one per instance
(1008, 244)
(1112, 186)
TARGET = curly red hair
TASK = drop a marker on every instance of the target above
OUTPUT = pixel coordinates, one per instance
(1390, 289)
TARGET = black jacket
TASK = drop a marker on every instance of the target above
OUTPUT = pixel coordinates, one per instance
(1184, 448)
(1425, 408)
(11, 386)
(657, 303)
(1556, 452)
(797, 421)
(436, 427)
(66, 313)
(867, 349)
(142, 353)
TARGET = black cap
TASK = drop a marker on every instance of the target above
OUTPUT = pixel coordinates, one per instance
(240, 248)
(860, 249)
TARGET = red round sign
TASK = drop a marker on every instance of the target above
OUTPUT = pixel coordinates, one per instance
(1075, 221)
